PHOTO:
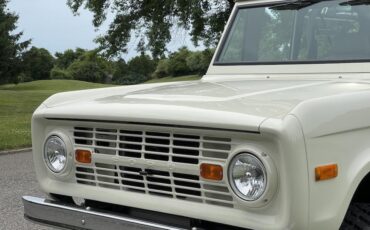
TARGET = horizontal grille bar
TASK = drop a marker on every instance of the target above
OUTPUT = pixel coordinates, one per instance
(175, 147)
(160, 183)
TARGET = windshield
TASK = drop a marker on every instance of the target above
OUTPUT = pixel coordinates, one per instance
(327, 31)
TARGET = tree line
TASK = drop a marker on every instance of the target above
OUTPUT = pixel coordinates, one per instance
(90, 65)
(204, 19)
(19, 63)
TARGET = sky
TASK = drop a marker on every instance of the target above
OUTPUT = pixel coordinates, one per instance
(51, 25)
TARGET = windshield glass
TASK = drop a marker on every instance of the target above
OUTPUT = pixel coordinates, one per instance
(325, 31)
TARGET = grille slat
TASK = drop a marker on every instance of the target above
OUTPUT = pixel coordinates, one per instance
(188, 149)
(151, 144)
(156, 183)
(179, 148)
(175, 179)
(125, 187)
(208, 158)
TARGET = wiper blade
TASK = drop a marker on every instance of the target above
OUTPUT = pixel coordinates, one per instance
(355, 2)
(296, 4)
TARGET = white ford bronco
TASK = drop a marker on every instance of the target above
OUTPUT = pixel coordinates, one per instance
(276, 135)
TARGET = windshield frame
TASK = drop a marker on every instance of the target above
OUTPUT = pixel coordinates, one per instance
(229, 28)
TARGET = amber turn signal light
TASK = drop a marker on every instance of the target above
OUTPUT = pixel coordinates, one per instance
(326, 172)
(83, 156)
(211, 172)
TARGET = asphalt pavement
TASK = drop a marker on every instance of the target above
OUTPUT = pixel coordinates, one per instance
(17, 178)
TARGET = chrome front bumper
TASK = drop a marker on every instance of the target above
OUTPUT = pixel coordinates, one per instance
(73, 217)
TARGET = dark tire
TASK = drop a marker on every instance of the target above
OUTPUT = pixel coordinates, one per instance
(357, 217)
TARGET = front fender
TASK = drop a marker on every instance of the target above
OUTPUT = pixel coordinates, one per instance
(336, 130)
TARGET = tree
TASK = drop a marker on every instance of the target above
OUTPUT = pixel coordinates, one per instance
(58, 73)
(138, 70)
(87, 71)
(65, 59)
(120, 70)
(194, 62)
(90, 67)
(143, 65)
(10, 46)
(162, 69)
(132, 78)
(177, 65)
(154, 20)
(198, 62)
(37, 63)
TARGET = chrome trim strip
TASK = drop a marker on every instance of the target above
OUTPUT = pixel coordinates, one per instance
(51, 213)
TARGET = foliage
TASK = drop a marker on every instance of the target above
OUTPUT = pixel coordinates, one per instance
(65, 59)
(184, 62)
(154, 20)
(132, 78)
(198, 62)
(58, 73)
(207, 56)
(177, 62)
(138, 70)
(90, 67)
(162, 69)
(37, 63)
(120, 70)
(22, 77)
(193, 61)
(87, 71)
(143, 65)
(10, 47)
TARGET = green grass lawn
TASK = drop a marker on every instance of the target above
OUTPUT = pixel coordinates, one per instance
(17, 103)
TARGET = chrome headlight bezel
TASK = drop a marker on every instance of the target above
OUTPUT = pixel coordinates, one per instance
(258, 164)
(47, 159)
(267, 159)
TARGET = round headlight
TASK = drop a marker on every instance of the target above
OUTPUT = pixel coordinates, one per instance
(55, 154)
(247, 176)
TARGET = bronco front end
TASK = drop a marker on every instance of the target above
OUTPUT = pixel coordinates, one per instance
(274, 136)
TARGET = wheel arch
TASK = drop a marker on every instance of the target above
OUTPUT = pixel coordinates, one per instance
(362, 191)
(357, 212)
(360, 184)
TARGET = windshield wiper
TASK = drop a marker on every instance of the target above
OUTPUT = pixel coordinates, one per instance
(297, 4)
(355, 2)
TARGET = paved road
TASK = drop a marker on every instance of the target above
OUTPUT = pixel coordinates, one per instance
(17, 178)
